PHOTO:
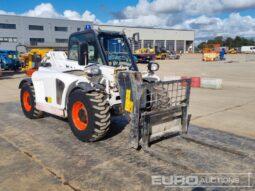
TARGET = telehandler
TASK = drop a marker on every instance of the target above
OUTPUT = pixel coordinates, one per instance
(91, 83)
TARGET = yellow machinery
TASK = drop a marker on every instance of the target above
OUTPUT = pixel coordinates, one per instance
(232, 51)
(161, 56)
(145, 51)
(145, 55)
(158, 55)
(32, 57)
(161, 53)
(211, 52)
(155, 53)
(210, 56)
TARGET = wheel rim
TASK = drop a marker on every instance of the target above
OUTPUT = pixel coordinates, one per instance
(80, 115)
(27, 101)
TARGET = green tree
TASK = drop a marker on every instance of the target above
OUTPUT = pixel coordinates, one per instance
(229, 42)
(201, 45)
(237, 42)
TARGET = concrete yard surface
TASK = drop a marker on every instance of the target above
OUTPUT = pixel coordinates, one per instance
(229, 109)
(43, 154)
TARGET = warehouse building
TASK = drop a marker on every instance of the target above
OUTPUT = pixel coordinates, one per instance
(36, 32)
(54, 33)
(171, 39)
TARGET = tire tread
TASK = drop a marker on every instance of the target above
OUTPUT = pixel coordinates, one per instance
(102, 115)
(34, 113)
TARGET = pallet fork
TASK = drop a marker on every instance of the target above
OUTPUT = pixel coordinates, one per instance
(156, 110)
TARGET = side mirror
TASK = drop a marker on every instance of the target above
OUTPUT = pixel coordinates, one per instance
(83, 54)
(136, 37)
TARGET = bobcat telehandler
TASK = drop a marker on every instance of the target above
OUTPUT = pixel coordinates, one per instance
(97, 78)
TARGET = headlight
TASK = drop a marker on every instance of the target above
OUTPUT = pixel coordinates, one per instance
(93, 71)
(153, 66)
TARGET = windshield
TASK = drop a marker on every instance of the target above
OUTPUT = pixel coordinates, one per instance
(116, 50)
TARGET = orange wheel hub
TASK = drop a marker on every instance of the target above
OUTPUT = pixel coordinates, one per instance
(27, 101)
(80, 115)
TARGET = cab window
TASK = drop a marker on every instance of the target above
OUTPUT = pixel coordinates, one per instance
(94, 55)
(73, 52)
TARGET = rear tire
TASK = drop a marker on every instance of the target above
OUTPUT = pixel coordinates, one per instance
(27, 101)
(88, 115)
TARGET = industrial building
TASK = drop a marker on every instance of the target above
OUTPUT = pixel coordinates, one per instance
(36, 32)
(171, 39)
(54, 33)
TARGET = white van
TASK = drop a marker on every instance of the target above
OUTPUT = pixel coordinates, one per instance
(248, 49)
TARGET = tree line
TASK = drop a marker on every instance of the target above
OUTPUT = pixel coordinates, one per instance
(236, 42)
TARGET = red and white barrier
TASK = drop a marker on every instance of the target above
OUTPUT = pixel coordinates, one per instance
(198, 82)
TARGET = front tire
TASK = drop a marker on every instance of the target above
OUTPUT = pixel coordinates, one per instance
(88, 115)
(27, 101)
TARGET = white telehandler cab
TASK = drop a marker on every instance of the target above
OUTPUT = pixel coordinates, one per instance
(97, 78)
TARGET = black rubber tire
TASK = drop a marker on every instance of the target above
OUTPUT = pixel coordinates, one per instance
(99, 117)
(33, 113)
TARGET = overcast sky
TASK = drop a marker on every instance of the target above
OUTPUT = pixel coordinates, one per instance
(209, 18)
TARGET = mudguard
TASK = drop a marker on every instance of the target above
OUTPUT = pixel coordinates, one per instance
(86, 87)
(26, 80)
